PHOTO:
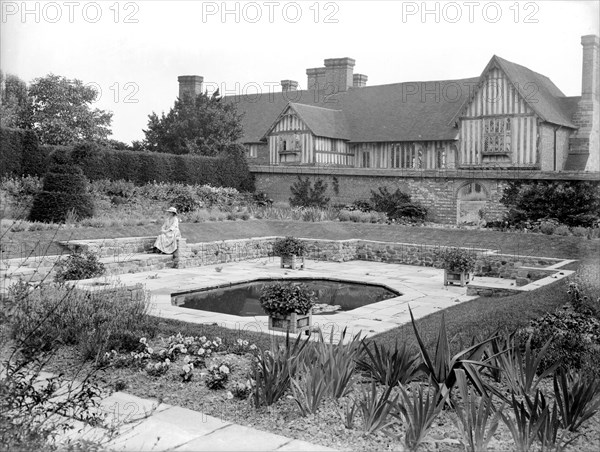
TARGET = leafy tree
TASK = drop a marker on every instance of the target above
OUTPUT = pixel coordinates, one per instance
(203, 125)
(15, 104)
(62, 112)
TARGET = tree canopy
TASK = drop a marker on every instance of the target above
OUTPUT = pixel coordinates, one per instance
(62, 112)
(203, 125)
(15, 105)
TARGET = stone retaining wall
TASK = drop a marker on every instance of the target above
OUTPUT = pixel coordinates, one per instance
(111, 247)
(220, 252)
(134, 292)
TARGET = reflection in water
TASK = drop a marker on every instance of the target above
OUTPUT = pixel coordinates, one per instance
(243, 299)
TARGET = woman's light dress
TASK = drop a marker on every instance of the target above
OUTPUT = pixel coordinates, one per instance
(169, 233)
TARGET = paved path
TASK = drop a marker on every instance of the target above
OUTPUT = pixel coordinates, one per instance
(146, 425)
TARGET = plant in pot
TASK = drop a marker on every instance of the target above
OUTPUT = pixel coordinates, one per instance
(291, 250)
(458, 265)
(289, 306)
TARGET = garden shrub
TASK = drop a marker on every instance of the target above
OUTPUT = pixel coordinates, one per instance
(282, 299)
(305, 194)
(548, 227)
(574, 203)
(186, 202)
(562, 230)
(95, 322)
(584, 290)
(64, 193)
(580, 231)
(575, 338)
(79, 266)
(397, 205)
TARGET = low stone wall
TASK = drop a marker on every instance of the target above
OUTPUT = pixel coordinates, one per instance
(111, 247)
(523, 268)
(133, 292)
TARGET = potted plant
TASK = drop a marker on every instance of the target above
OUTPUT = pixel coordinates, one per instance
(289, 306)
(458, 265)
(291, 250)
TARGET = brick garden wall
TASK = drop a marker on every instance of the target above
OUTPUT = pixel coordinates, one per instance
(435, 190)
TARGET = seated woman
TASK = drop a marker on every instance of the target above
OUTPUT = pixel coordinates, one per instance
(169, 233)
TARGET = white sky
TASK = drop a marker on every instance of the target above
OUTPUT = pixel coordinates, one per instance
(141, 61)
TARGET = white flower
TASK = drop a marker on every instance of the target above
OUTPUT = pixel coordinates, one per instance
(229, 395)
(183, 350)
(239, 342)
(149, 350)
(253, 347)
(187, 368)
(224, 369)
(201, 351)
(143, 340)
(245, 343)
(202, 339)
(186, 359)
(167, 361)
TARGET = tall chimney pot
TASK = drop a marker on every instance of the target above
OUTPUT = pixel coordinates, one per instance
(190, 85)
(315, 78)
(289, 85)
(339, 73)
(589, 76)
(359, 80)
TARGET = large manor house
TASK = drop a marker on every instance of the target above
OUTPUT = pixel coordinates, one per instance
(452, 144)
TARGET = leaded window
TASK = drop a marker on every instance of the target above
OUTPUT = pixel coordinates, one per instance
(497, 136)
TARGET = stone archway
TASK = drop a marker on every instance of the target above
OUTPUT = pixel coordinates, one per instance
(471, 199)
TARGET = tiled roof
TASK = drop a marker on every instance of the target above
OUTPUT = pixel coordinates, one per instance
(323, 122)
(410, 111)
(545, 100)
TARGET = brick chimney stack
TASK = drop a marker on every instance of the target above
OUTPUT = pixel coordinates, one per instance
(359, 80)
(316, 78)
(339, 73)
(190, 85)
(289, 85)
(586, 139)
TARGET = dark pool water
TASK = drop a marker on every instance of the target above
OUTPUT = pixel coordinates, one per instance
(243, 299)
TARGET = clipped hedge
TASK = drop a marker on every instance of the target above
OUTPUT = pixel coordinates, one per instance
(64, 191)
(21, 154)
(228, 170)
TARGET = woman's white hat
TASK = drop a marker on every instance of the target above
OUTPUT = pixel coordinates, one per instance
(172, 210)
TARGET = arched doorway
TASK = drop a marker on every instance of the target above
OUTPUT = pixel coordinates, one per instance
(471, 200)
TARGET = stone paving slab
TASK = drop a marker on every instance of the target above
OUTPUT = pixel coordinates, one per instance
(238, 438)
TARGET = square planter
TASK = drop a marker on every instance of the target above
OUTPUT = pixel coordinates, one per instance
(459, 278)
(294, 262)
(294, 323)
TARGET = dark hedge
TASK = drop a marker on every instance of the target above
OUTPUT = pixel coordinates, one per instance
(228, 170)
(21, 154)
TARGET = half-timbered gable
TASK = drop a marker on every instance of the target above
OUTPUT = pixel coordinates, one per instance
(309, 135)
(502, 124)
